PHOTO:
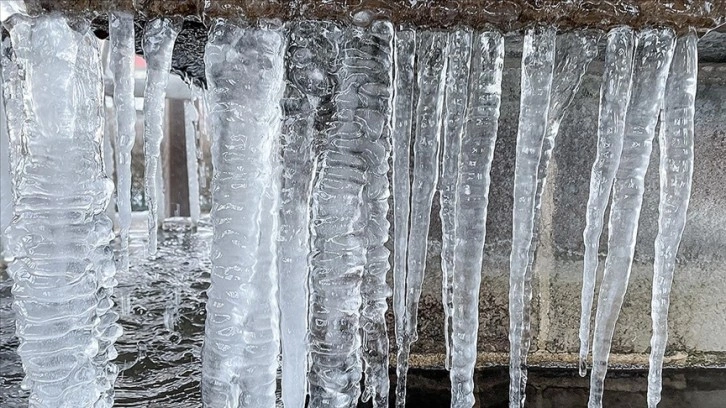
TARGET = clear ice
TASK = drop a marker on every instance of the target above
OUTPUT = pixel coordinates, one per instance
(244, 68)
(190, 137)
(431, 51)
(676, 170)
(63, 268)
(650, 70)
(614, 99)
(10, 109)
(472, 198)
(158, 44)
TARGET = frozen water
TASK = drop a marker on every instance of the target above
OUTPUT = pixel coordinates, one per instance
(6, 188)
(158, 44)
(245, 75)
(650, 70)
(190, 135)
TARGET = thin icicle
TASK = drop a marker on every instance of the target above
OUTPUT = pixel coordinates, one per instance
(158, 44)
(190, 135)
(12, 119)
(404, 87)
(244, 68)
(676, 171)
(574, 52)
(650, 70)
(310, 61)
(538, 57)
(431, 70)
(614, 99)
(457, 83)
(123, 53)
(472, 198)
(107, 154)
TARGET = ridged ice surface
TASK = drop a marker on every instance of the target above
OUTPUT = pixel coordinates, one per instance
(472, 198)
(614, 99)
(158, 44)
(340, 198)
(650, 70)
(245, 78)
(455, 104)
(676, 171)
(538, 60)
(190, 137)
(63, 269)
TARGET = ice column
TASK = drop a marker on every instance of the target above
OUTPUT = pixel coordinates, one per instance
(457, 88)
(63, 265)
(431, 50)
(676, 169)
(351, 142)
(190, 135)
(614, 99)
(311, 55)
(537, 70)
(244, 68)
(158, 44)
(650, 70)
(472, 197)
(123, 54)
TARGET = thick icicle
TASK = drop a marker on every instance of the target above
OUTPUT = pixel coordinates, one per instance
(431, 49)
(244, 68)
(614, 99)
(537, 69)
(676, 170)
(158, 44)
(404, 86)
(310, 60)
(123, 53)
(574, 52)
(190, 135)
(339, 213)
(472, 197)
(63, 265)
(457, 87)
(650, 70)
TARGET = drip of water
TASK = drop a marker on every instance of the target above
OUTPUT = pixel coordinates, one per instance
(650, 70)
(158, 44)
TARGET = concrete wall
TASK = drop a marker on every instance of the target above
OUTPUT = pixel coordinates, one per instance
(698, 308)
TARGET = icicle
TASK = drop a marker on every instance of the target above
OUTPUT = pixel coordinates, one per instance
(472, 197)
(9, 76)
(404, 85)
(190, 135)
(158, 44)
(244, 68)
(573, 54)
(377, 90)
(107, 154)
(123, 54)
(676, 170)
(614, 100)
(537, 70)
(431, 54)
(63, 267)
(457, 82)
(650, 70)
(310, 59)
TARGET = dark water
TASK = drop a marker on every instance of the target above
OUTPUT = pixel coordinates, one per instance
(161, 303)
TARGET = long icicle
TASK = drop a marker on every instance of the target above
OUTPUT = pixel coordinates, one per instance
(538, 58)
(457, 87)
(574, 52)
(650, 70)
(404, 86)
(190, 137)
(614, 99)
(340, 217)
(158, 44)
(374, 289)
(431, 66)
(244, 68)
(472, 198)
(676, 171)
(310, 59)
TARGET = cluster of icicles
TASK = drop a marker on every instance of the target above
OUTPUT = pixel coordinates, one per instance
(305, 119)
